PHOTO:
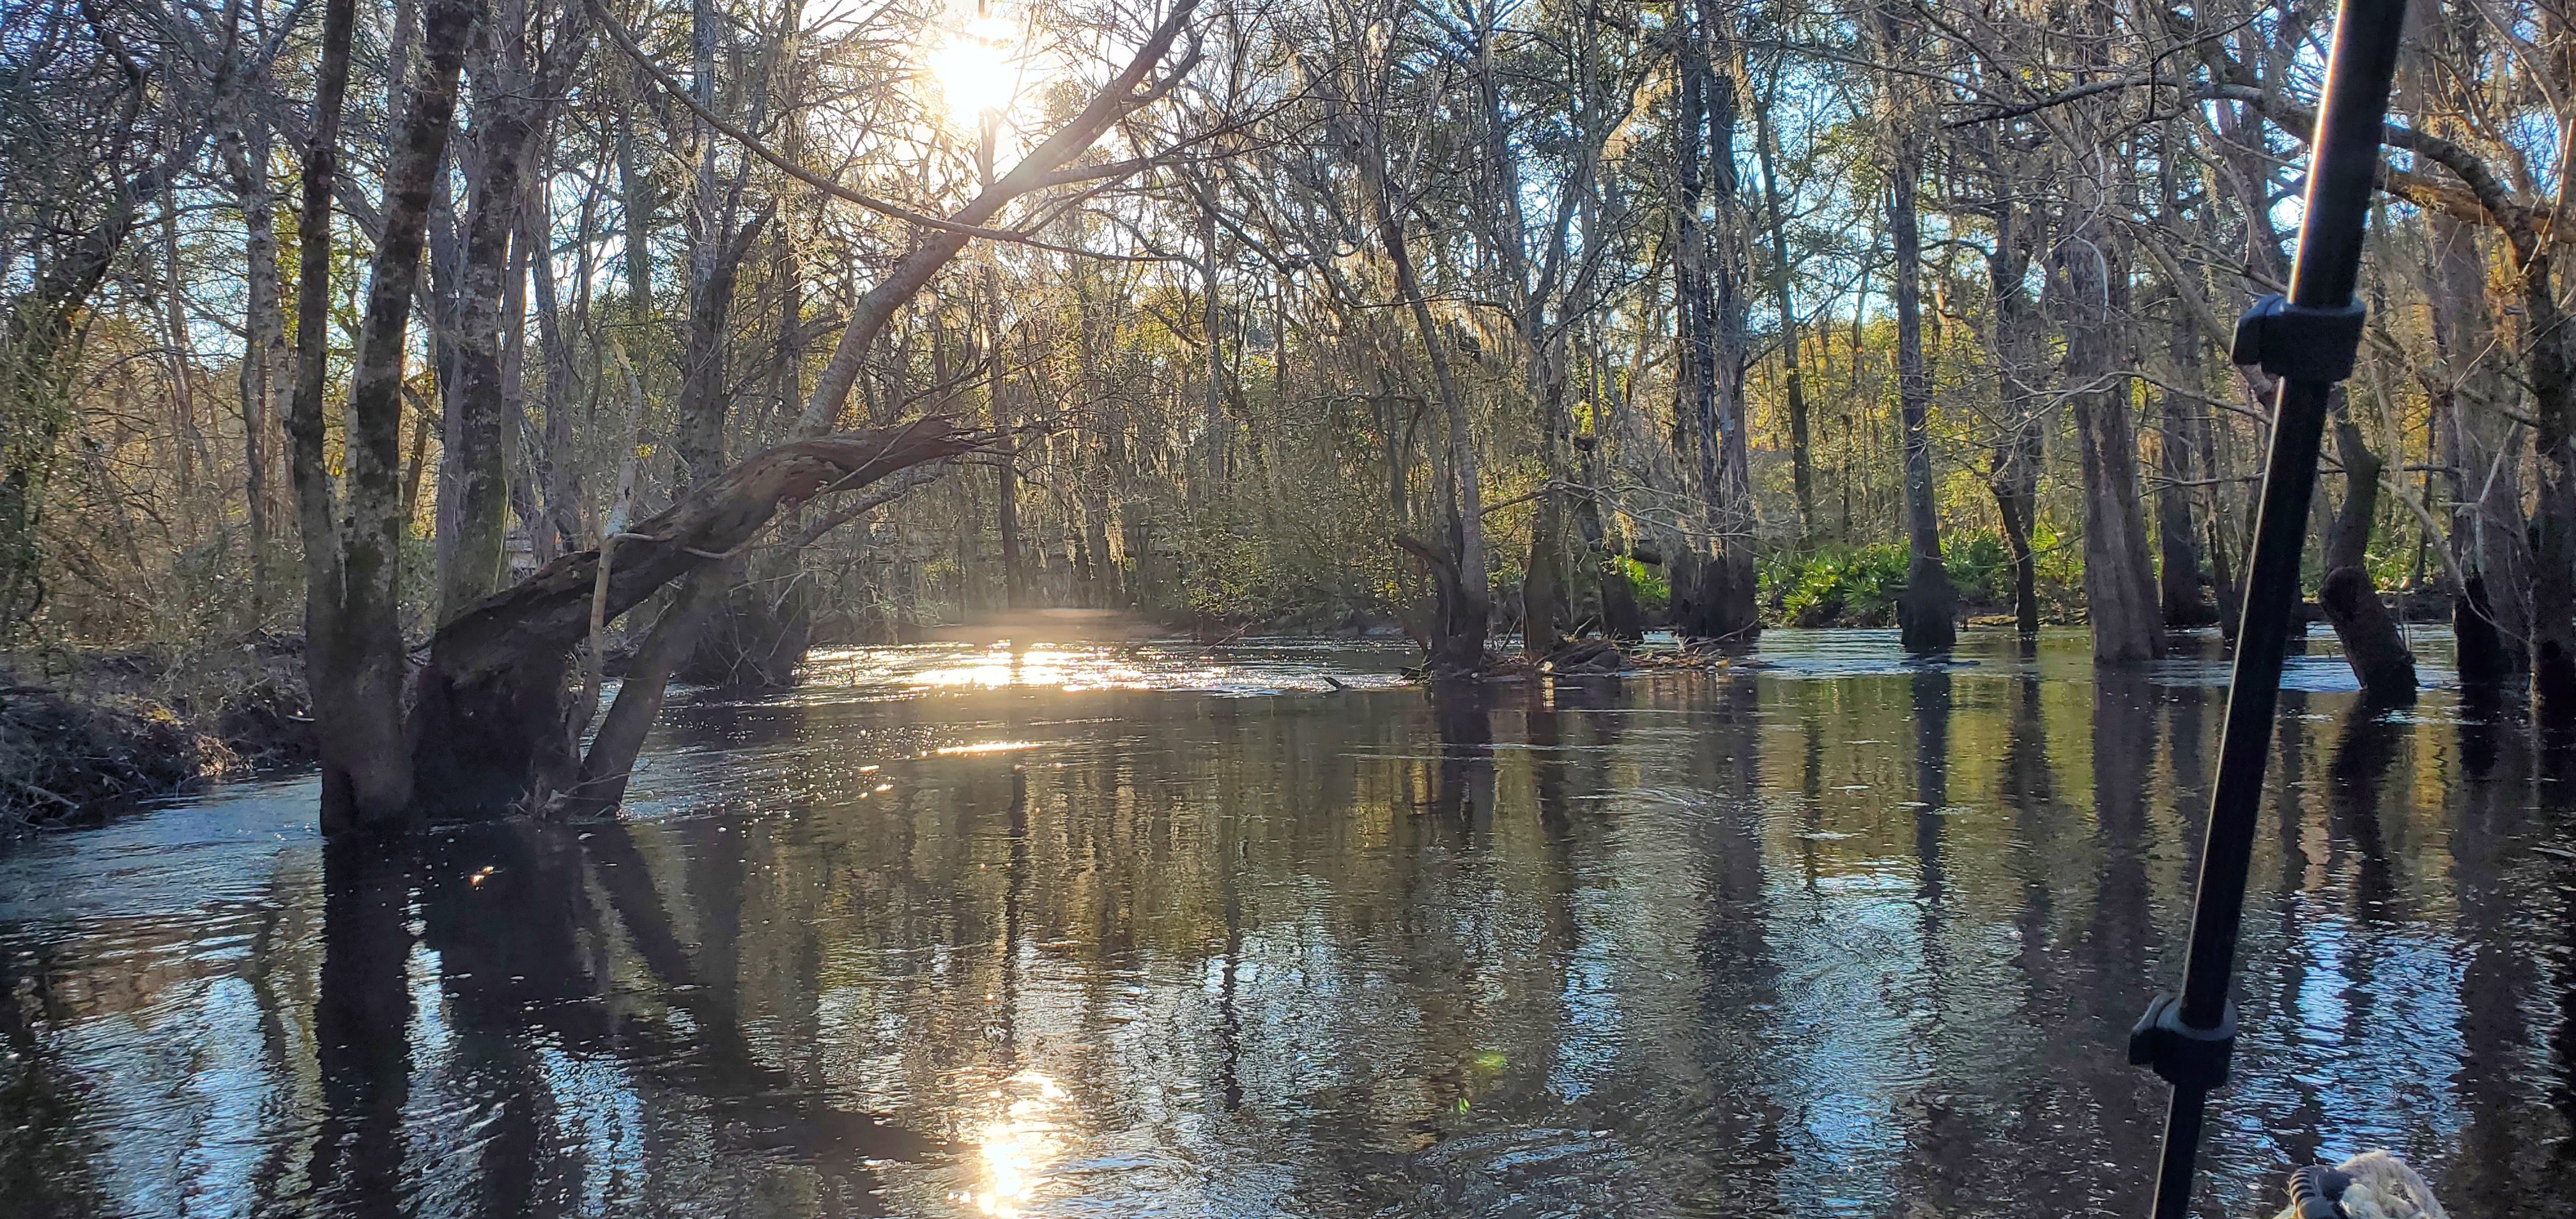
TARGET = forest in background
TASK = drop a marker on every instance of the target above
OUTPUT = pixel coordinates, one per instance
(1552, 318)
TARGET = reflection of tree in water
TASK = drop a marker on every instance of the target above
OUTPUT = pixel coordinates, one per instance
(2512, 837)
(509, 915)
(1811, 789)
(2558, 1180)
(526, 968)
(2108, 980)
(1942, 1153)
(45, 1165)
(362, 1028)
(2502, 1163)
(1931, 690)
(1544, 730)
(2027, 783)
(2300, 1130)
(1274, 933)
(2364, 750)
(1462, 712)
(1735, 958)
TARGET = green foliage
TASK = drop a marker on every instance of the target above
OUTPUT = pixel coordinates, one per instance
(1228, 576)
(1836, 585)
(1843, 585)
(2390, 560)
(1980, 567)
(1654, 592)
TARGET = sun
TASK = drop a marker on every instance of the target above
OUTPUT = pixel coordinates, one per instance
(977, 69)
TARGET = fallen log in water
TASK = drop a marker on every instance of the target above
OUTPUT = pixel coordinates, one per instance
(488, 717)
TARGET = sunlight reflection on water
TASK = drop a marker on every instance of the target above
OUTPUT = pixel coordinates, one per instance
(1050, 931)
(1244, 670)
(1018, 1148)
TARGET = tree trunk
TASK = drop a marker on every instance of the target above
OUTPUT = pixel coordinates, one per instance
(1793, 384)
(267, 363)
(2549, 353)
(1006, 473)
(2372, 644)
(1927, 611)
(610, 763)
(558, 471)
(1720, 601)
(1462, 599)
(2014, 459)
(637, 206)
(354, 646)
(2177, 538)
(473, 459)
(2483, 450)
(2119, 582)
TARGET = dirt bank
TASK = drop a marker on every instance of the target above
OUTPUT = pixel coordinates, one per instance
(82, 733)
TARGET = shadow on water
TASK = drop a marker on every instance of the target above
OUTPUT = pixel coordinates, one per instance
(526, 969)
(1463, 792)
(1056, 932)
(361, 1028)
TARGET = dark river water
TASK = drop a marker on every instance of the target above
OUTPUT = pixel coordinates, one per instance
(1256, 930)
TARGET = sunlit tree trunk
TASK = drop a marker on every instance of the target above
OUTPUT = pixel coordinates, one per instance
(1707, 277)
(267, 370)
(1783, 271)
(1927, 612)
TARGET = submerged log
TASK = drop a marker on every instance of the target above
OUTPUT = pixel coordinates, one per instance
(1584, 657)
(487, 722)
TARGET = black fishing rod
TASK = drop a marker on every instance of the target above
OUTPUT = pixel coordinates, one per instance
(2308, 341)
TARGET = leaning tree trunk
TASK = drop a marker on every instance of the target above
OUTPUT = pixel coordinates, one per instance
(2372, 643)
(488, 721)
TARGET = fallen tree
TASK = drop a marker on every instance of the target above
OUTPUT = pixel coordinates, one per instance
(737, 633)
(490, 717)
(490, 726)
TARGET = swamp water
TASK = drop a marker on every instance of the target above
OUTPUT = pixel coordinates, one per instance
(1255, 930)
